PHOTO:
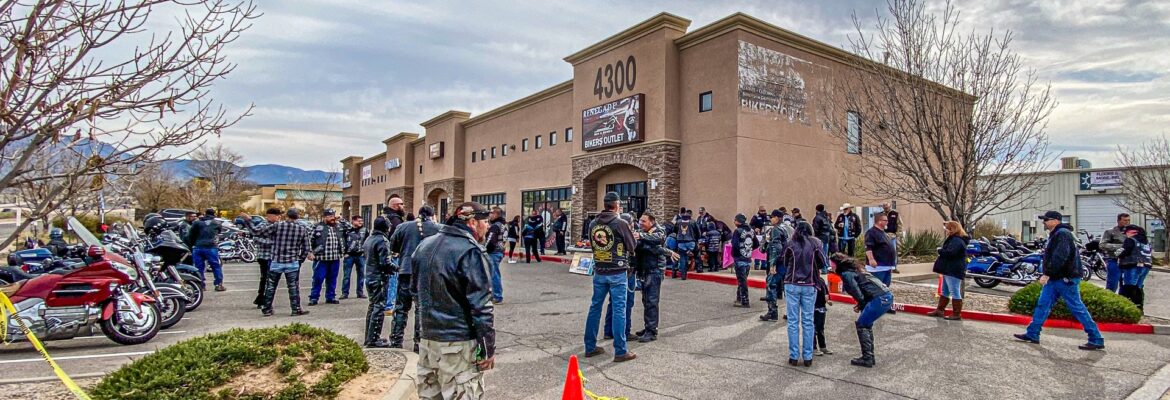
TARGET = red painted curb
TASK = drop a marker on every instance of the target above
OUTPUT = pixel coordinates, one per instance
(1014, 319)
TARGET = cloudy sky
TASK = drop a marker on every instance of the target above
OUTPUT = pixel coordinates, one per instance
(333, 78)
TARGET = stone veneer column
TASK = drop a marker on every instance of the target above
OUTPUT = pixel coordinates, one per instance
(660, 160)
(406, 193)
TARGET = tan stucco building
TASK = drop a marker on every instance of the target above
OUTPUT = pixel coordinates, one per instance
(299, 196)
(722, 117)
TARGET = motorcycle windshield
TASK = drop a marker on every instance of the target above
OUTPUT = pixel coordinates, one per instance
(82, 233)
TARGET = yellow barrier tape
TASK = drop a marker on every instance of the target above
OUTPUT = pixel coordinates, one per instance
(590, 394)
(9, 309)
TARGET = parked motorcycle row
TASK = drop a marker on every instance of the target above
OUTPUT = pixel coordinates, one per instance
(1003, 259)
(129, 285)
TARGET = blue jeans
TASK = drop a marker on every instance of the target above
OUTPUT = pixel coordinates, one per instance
(613, 286)
(684, 253)
(774, 282)
(391, 291)
(875, 309)
(952, 287)
(497, 283)
(742, 268)
(801, 300)
(887, 277)
(324, 272)
(1112, 275)
(200, 256)
(1134, 276)
(1141, 281)
(629, 309)
(355, 264)
(1070, 292)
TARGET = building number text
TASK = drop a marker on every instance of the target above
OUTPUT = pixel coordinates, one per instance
(615, 78)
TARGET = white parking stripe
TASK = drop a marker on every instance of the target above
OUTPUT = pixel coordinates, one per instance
(39, 359)
(160, 333)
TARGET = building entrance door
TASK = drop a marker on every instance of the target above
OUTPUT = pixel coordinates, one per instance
(636, 205)
(633, 195)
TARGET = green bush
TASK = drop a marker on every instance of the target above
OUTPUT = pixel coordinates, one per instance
(1103, 305)
(986, 228)
(920, 244)
(190, 369)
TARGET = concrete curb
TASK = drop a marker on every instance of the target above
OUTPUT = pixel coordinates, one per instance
(407, 384)
(1153, 388)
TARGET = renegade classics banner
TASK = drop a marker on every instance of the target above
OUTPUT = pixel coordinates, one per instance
(614, 123)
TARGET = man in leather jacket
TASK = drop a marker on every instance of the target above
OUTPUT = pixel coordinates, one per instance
(458, 338)
(263, 246)
(328, 249)
(355, 237)
(395, 214)
(494, 245)
(1062, 279)
(403, 242)
(380, 265)
(612, 243)
(203, 239)
(650, 261)
(823, 227)
(1111, 243)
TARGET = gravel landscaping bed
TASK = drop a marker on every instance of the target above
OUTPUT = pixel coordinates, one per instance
(925, 295)
(47, 390)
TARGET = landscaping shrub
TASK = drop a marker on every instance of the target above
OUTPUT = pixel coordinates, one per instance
(1103, 305)
(920, 244)
(193, 368)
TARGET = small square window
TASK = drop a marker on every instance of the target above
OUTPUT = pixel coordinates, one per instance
(705, 102)
(552, 138)
(524, 145)
(493, 151)
(568, 134)
(539, 141)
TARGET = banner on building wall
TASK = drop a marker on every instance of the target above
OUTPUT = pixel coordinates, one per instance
(393, 163)
(1100, 180)
(611, 124)
(773, 83)
(367, 171)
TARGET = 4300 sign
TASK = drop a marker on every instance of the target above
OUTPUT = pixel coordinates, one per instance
(616, 78)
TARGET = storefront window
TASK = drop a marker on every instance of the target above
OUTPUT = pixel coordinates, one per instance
(632, 194)
(490, 200)
(545, 201)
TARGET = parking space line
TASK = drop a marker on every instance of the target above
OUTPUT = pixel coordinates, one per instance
(160, 333)
(39, 359)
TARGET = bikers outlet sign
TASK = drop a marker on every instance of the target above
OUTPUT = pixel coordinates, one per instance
(611, 124)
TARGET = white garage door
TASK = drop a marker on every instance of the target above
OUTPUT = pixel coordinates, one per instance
(1097, 214)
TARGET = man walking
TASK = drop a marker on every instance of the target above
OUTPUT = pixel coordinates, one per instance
(560, 224)
(775, 239)
(263, 247)
(612, 241)
(1111, 243)
(1061, 280)
(327, 251)
(743, 241)
(380, 265)
(892, 228)
(848, 228)
(290, 244)
(458, 337)
(404, 242)
(355, 261)
(495, 249)
(203, 238)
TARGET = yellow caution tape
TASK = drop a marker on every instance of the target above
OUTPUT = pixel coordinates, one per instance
(590, 394)
(9, 309)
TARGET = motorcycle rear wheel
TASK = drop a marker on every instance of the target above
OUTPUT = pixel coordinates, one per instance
(247, 256)
(194, 289)
(1101, 271)
(986, 283)
(171, 311)
(113, 329)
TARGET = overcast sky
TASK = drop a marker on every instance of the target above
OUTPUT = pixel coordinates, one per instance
(333, 78)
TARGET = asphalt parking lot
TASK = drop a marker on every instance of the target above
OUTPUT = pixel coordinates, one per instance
(706, 349)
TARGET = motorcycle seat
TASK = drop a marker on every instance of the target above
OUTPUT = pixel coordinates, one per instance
(1005, 259)
(18, 274)
(12, 288)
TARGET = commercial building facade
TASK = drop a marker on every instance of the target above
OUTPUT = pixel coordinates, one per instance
(723, 117)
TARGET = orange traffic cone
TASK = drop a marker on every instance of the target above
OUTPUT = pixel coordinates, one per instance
(574, 389)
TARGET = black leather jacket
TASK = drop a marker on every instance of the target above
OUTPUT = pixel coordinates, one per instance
(862, 286)
(378, 255)
(454, 291)
(355, 238)
(204, 233)
(651, 254)
(406, 238)
(323, 249)
(612, 244)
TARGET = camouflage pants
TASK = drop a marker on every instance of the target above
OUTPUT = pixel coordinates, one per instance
(447, 371)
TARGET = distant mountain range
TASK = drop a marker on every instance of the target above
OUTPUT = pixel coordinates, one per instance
(263, 174)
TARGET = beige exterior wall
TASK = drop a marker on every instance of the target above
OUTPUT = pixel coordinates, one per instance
(709, 150)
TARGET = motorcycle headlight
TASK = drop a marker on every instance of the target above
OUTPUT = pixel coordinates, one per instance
(125, 269)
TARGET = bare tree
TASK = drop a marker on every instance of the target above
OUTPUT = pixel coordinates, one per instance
(77, 73)
(219, 181)
(1145, 178)
(949, 118)
(155, 188)
(316, 197)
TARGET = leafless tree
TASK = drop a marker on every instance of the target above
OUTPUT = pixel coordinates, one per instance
(1145, 178)
(87, 77)
(155, 188)
(939, 116)
(220, 179)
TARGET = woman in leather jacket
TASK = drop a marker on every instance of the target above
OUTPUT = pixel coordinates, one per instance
(873, 300)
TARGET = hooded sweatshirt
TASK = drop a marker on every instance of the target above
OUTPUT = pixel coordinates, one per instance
(612, 243)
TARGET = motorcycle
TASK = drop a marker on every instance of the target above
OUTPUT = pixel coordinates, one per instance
(69, 302)
(171, 251)
(171, 296)
(237, 245)
(990, 268)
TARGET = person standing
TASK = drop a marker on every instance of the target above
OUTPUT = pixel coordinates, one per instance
(612, 242)
(879, 252)
(713, 246)
(355, 261)
(797, 217)
(1134, 261)
(1061, 280)
(686, 233)
(703, 218)
(1111, 242)
(533, 226)
(892, 229)
(743, 241)
(203, 238)
(775, 238)
(631, 287)
(380, 264)
(651, 258)
(404, 242)
(328, 248)
(848, 228)
(513, 237)
(560, 224)
(820, 313)
(537, 222)
(290, 244)
(458, 334)
(495, 250)
(873, 299)
(395, 214)
(758, 223)
(802, 260)
(263, 247)
(951, 266)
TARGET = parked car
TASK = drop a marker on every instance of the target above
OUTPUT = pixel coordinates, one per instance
(174, 214)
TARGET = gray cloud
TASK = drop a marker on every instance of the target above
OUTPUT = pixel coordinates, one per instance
(332, 78)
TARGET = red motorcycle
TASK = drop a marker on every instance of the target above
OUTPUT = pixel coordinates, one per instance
(70, 301)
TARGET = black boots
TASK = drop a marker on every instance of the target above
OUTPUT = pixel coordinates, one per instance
(375, 314)
(771, 315)
(865, 338)
(1134, 293)
(941, 309)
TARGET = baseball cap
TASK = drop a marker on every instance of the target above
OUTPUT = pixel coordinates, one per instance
(1051, 215)
(471, 210)
(329, 212)
(740, 218)
(777, 214)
